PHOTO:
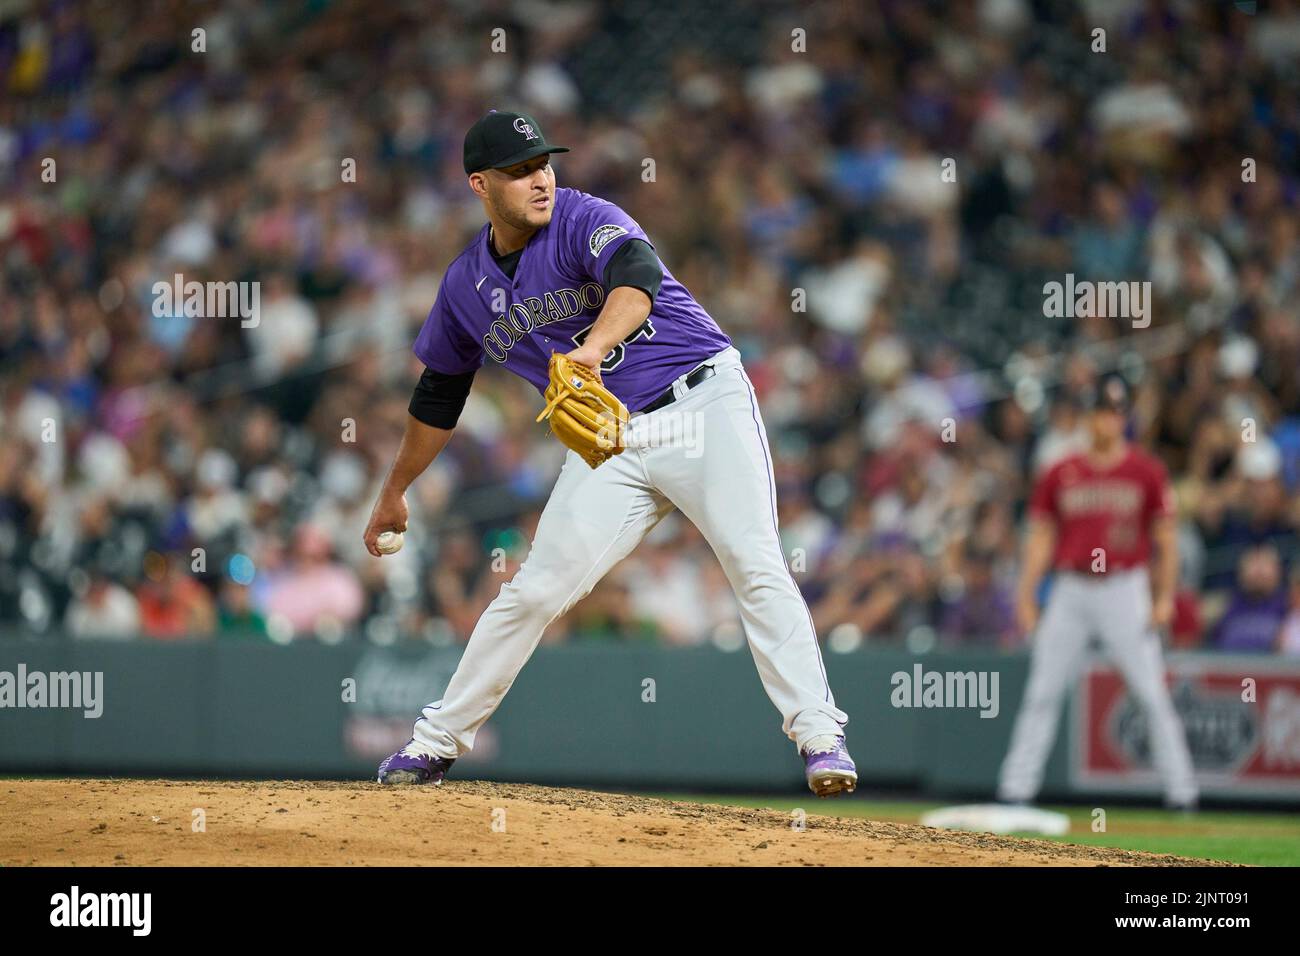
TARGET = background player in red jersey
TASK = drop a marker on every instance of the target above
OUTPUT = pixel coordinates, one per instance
(1093, 518)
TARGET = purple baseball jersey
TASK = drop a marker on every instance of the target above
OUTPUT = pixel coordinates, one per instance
(553, 301)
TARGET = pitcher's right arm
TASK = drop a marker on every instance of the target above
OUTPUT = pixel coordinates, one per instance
(435, 407)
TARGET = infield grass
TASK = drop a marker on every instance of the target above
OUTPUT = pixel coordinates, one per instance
(1236, 836)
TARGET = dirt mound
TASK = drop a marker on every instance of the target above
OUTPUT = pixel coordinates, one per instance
(173, 823)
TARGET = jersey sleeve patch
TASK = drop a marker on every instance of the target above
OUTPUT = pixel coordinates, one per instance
(603, 236)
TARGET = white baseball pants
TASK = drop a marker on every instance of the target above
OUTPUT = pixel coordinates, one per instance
(1117, 608)
(706, 454)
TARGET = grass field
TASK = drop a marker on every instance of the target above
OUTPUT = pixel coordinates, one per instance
(1239, 836)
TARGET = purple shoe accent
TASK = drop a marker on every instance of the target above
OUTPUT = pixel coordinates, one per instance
(409, 766)
(830, 770)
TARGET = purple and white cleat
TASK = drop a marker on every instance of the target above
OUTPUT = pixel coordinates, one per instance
(828, 766)
(411, 766)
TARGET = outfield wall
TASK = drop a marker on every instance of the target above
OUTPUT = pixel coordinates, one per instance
(607, 715)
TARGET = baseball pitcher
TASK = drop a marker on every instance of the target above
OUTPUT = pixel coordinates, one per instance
(1093, 517)
(650, 396)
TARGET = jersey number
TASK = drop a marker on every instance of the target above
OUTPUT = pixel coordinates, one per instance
(616, 355)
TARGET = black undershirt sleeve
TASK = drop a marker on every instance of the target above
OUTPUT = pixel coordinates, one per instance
(439, 399)
(635, 264)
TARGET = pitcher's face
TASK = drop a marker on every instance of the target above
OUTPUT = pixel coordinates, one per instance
(522, 196)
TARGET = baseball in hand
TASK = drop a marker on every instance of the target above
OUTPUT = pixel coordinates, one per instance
(390, 542)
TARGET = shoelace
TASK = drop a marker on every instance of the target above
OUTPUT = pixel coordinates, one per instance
(406, 751)
(830, 748)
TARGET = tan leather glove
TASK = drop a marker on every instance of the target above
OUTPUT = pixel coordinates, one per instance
(584, 414)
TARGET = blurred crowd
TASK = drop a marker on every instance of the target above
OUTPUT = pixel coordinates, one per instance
(167, 477)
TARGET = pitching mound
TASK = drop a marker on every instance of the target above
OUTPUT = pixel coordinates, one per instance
(160, 822)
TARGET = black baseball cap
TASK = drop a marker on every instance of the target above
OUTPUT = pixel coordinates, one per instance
(1111, 393)
(502, 139)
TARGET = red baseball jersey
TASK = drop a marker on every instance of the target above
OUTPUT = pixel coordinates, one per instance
(1111, 509)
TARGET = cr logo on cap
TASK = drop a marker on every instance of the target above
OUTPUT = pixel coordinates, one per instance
(523, 126)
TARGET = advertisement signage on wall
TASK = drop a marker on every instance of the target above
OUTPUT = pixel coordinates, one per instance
(392, 687)
(1241, 716)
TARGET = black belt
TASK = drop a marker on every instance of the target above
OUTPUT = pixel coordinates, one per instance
(667, 398)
